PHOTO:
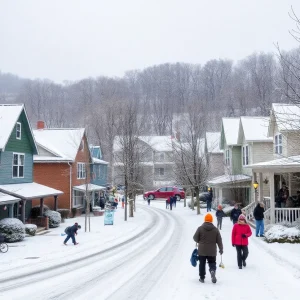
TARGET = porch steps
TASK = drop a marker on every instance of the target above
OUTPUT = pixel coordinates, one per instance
(41, 231)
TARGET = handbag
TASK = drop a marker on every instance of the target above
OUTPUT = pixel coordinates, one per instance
(194, 257)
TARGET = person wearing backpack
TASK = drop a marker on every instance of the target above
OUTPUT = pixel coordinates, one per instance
(71, 231)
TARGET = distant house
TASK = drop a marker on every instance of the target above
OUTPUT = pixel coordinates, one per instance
(98, 167)
(64, 160)
(157, 161)
(17, 148)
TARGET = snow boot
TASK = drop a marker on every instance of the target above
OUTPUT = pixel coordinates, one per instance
(240, 267)
(201, 280)
(65, 244)
(244, 263)
(213, 276)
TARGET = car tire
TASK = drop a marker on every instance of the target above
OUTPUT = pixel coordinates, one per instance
(151, 196)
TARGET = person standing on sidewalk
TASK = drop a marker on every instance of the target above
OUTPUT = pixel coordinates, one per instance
(174, 200)
(235, 213)
(208, 237)
(71, 231)
(209, 201)
(259, 219)
(220, 214)
(241, 231)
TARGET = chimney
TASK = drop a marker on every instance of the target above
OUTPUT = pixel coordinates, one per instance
(40, 125)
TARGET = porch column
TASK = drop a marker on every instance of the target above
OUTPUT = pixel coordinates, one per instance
(290, 183)
(261, 188)
(41, 207)
(272, 198)
(23, 204)
(220, 195)
(55, 203)
(11, 210)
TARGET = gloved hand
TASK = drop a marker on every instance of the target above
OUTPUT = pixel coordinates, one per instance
(221, 252)
(233, 245)
(244, 236)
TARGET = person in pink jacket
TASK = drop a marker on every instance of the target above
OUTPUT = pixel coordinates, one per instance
(240, 233)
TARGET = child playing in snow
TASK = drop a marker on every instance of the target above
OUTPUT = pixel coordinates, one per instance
(220, 214)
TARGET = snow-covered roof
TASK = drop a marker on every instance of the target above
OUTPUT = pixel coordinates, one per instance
(90, 187)
(213, 142)
(5, 199)
(62, 142)
(256, 129)
(99, 161)
(231, 130)
(229, 179)
(287, 116)
(158, 143)
(29, 191)
(59, 159)
(282, 163)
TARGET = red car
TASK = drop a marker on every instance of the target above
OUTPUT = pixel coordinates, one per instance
(166, 192)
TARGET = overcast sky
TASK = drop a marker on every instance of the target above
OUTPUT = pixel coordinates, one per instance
(73, 39)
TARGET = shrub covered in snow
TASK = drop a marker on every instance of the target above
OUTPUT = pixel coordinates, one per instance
(54, 218)
(35, 211)
(30, 229)
(64, 213)
(282, 234)
(12, 229)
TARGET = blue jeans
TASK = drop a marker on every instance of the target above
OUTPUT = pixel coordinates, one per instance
(72, 236)
(208, 206)
(260, 227)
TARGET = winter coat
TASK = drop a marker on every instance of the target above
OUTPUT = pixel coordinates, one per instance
(208, 236)
(73, 229)
(235, 213)
(238, 230)
(209, 198)
(220, 214)
(258, 213)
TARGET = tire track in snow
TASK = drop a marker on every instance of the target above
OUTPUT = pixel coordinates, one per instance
(23, 279)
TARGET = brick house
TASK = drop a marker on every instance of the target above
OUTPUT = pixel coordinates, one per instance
(64, 160)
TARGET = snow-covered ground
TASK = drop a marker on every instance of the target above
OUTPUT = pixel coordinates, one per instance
(145, 258)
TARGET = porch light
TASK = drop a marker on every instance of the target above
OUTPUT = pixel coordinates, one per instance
(209, 189)
(255, 185)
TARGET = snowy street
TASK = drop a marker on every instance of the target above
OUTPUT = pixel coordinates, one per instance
(145, 258)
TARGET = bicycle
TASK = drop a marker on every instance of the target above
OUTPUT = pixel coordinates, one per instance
(3, 246)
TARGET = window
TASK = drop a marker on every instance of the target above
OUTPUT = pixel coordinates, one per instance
(278, 144)
(227, 158)
(160, 156)
(81, 171)
(78, 198)
(18, 131)
(169, 189)
(245, 155)
(18, 165)
(159, 171)
(162, 189)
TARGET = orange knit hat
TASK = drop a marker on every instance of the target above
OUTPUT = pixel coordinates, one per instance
(208, 218)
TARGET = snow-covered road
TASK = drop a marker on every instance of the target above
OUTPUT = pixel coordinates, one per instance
(153, 263)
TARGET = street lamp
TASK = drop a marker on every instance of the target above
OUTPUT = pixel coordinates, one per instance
(255, 185)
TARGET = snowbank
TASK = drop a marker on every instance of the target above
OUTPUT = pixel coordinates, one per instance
(282, 234)
(12, 229)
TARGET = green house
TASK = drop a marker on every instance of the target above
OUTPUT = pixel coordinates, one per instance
(17, 147)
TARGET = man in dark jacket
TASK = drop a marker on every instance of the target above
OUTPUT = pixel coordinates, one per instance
(209, 200)
(72, 230)
(235, 213)
(259, 219)
(208, 237)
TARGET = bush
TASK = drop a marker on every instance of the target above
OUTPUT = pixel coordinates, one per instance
(35, 211)
(12, 229)
(54, 218)
(282, 234)
(30, 229)
(74, 211)
(64, 213)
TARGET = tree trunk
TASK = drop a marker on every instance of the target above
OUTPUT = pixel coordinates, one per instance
(197, 199)
(134, 207)
(131, 208)
(184, 201)
(126, 196)
(192, 199)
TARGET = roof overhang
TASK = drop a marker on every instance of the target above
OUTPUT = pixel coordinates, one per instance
(7, 199)
(89, 187)
(228, 181)
(29, 191)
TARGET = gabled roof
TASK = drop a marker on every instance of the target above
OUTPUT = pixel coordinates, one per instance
(96, 151)
(9, 115)
(280, 163)
(226, 179)
(255, 129)
(62, 142)
(213, 140)
(99, 161)
(230, 131)
(286, 116)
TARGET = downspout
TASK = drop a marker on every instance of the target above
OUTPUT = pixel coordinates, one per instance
(70, 165)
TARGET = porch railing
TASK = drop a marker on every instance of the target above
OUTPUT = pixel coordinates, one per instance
(248, 211)
(267, 215)
(287, 214)
(266, 201)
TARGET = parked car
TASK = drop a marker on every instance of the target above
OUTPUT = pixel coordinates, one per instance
(165, 192)
(204, 196)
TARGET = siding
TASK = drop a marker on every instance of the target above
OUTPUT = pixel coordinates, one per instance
(6, 168)
(236, 160)
(293, 144)
(216, 164)
(102, 179)
(43, 152)
(262, 152)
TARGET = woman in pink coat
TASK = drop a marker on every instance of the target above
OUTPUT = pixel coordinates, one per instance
(240, 233)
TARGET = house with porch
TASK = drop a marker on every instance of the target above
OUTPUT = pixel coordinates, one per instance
(18, 191)
(64, 160)
(283, 165)
(245, 141)
(98, 167)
